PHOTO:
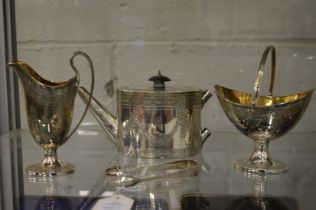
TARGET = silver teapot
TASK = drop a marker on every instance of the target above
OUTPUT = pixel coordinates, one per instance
(154, 122)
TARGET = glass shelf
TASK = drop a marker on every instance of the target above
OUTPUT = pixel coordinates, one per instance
(217, 184)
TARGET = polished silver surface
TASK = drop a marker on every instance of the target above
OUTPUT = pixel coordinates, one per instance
(159, 124)
(117, 170)
(49, 109)
(154, 123)
(167, 170)
(263, 118)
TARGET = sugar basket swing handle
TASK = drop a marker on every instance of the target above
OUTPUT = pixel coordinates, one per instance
(78, 80)
(260, 73)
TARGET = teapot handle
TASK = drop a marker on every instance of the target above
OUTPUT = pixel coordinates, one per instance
(260, 73)
(78, 80)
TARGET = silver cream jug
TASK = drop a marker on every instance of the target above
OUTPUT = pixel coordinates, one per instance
(49, 110)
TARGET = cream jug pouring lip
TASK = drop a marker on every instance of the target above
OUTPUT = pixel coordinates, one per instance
(22, 68)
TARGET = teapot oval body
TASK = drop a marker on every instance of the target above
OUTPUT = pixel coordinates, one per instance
(159, 124)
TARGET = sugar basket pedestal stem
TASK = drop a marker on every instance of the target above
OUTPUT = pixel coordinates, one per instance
(263, 118)
(260, 161)
(49, 108)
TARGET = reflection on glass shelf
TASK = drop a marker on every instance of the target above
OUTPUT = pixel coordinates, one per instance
(235, 202)
(74, 203)
(93, 154)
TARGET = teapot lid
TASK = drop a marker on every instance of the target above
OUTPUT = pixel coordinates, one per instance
(159, 81)
(159, 87)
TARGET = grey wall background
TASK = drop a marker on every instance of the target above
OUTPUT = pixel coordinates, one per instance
(198, 43)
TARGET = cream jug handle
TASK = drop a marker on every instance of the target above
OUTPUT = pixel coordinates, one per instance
(78, 80)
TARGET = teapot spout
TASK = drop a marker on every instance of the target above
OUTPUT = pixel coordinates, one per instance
(106, 120)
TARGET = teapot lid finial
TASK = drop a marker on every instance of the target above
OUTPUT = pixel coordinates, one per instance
(159, 81)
